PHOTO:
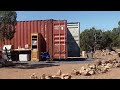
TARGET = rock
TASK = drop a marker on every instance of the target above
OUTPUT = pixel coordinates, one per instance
(75, 72)
(103, 65)
(118, 61)
(103, 61)
(106, 61)
(117, 64)
(85, 73)
(33, 76)
(43, 76)
(88, 69)
(66, 76)
(82, 70)
(108, 65)
(48, 77)
(59, 73)
(56, 77)
(110, 61)
(92, 66)
(112, 52)
(115, 61)
(100, 69)
(104, 70)
(91, 72)
(72, 78)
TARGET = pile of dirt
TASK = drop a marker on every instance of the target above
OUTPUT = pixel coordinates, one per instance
(104, 54)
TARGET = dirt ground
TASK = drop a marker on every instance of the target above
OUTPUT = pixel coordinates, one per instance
(18, 73)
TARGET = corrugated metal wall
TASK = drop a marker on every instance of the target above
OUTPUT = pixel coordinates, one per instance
(60, 39)
(45, 28)
(73, 39)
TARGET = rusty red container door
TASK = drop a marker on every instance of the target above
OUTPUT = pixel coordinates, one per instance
(59, 39)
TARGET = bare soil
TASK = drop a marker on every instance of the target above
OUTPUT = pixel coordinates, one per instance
(24, 73)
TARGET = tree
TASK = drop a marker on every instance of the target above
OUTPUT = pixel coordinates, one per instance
(98, 39)
(7, 24)
(90, 39)
(106, 40)
(119, 23)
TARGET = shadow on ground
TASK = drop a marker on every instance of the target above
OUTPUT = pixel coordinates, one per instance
(72, 59)
(30, 66)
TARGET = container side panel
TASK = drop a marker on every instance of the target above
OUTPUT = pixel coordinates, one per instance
(22, 34)
(43, 49)
(35, 27)
(29, 33)
(25, 33)
(32, 26)
(19, 34)
(15, 40)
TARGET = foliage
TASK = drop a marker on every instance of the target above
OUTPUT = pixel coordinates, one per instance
(7, 24)
(90, 39)
(98, 39)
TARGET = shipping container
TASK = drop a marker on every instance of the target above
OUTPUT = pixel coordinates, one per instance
(73, 39)
(49, 30)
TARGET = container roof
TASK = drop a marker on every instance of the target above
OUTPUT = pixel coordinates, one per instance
(41, 20)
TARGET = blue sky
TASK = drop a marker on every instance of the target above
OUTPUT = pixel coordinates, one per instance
(106, 20)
